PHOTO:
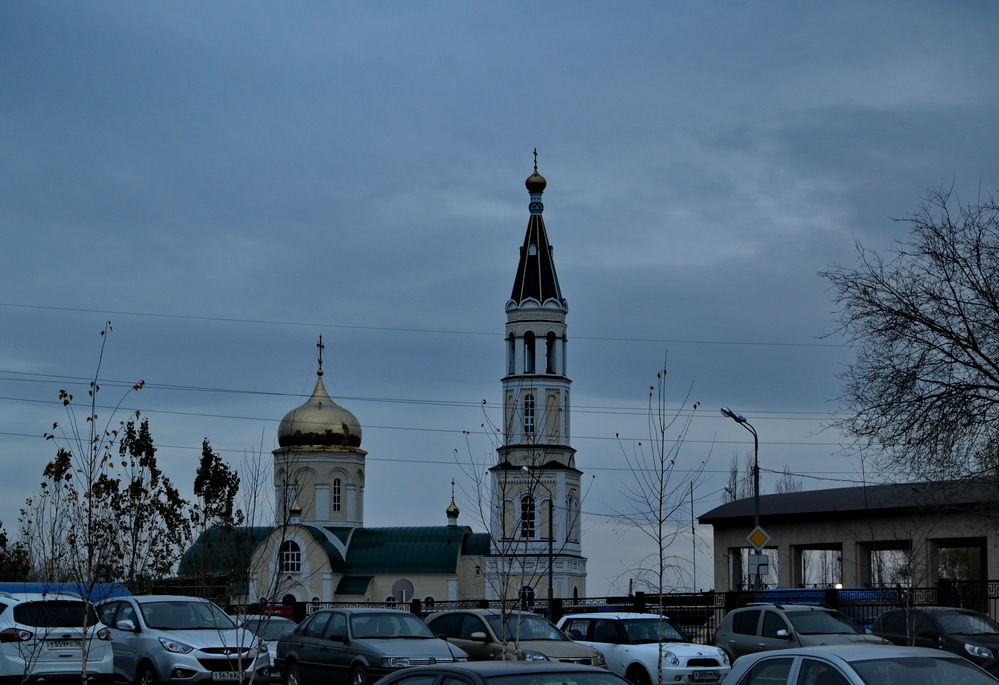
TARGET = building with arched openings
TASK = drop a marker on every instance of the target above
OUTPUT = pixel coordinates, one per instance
(318, 548)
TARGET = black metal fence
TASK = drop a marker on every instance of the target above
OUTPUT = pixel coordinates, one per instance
(698, 614)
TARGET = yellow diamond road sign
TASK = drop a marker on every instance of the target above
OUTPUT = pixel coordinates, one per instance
(758, 538)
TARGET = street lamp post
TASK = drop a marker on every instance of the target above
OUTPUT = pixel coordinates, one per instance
(741, 420)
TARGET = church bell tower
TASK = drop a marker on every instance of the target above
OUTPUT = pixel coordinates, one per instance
(536, 531)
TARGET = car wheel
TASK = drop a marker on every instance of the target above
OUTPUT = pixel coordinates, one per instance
(358, 675)
(639, 676)
(146, 675)
(291, 675)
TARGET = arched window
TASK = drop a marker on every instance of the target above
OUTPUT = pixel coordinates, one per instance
(550, 366)
(527, 517)
(529, 352)
(336, 495)
(390, 601)
(290, 557)
(511, 355)
(572, 517)
(526, 597)
(529, 414)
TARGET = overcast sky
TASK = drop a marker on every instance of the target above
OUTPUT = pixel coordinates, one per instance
(226, 181)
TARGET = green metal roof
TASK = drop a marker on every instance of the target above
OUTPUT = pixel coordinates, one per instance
(476, 544)
(405, 550)
(222, 550)
(354, 585)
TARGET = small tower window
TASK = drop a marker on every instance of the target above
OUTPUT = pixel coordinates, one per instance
(511, 355)
(529, 352)
(529, 414)
(290, 557)
(336, 495)
(527, 517)
(550, 353)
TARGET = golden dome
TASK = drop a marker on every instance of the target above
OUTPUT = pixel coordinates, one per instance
(320, 422)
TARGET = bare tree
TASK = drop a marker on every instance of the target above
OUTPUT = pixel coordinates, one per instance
(924, 322)
(656, 493)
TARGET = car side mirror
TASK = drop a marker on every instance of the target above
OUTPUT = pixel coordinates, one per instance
(126, 625)
(783, 634)
(479, 636)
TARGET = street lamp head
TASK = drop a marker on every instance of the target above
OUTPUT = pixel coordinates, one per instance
(732, 415)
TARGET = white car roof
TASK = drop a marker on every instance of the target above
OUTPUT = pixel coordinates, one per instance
(612, 615)
(41, 596)
(854, 652)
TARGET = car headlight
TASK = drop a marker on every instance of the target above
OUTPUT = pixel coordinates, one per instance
(980, 652)
(600, 660)
(395, 661)
(723, 657)
(531, 655)
(175, 647)
(670, 658)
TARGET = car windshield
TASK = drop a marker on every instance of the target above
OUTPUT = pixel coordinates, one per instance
(959, 623)
(524, 627)
(921, 671)
(55, 614)
(270, 629)
(546, 678)
(821, 623)
(643, 630)
(185, 615)
(391, 625)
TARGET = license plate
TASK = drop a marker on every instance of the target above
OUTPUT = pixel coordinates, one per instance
(64, 644)
(705, 676)
(225, 675)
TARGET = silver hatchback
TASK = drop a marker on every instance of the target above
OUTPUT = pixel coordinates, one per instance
(173, 639)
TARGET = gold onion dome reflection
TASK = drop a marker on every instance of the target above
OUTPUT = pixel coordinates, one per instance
(320, 422)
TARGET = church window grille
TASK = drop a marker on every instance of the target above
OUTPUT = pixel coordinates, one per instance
(290, 557)
(336, 495)
(527, 513)
(529, 414)
(526, 597)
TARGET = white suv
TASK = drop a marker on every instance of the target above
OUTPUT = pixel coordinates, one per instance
(631, 642)
(42, 638)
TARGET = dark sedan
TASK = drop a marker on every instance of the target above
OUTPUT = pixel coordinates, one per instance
(504, 673)
(358, 646)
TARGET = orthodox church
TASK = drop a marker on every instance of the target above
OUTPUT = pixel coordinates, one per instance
(319, 550)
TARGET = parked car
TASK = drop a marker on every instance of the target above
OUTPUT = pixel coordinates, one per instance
(762, 627)
(42, 638)
(504, 673)
(269, 629)
(630, 643)
(358, 646)
(965, 632)
(486, 635)
(174, 639)
(856, 664)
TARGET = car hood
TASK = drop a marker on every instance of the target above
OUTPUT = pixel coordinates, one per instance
(430, 647)
(685, 649)
(557, 649)
(838, 639)
(209, 639)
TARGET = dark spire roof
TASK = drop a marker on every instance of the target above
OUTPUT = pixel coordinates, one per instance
(536, 277)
